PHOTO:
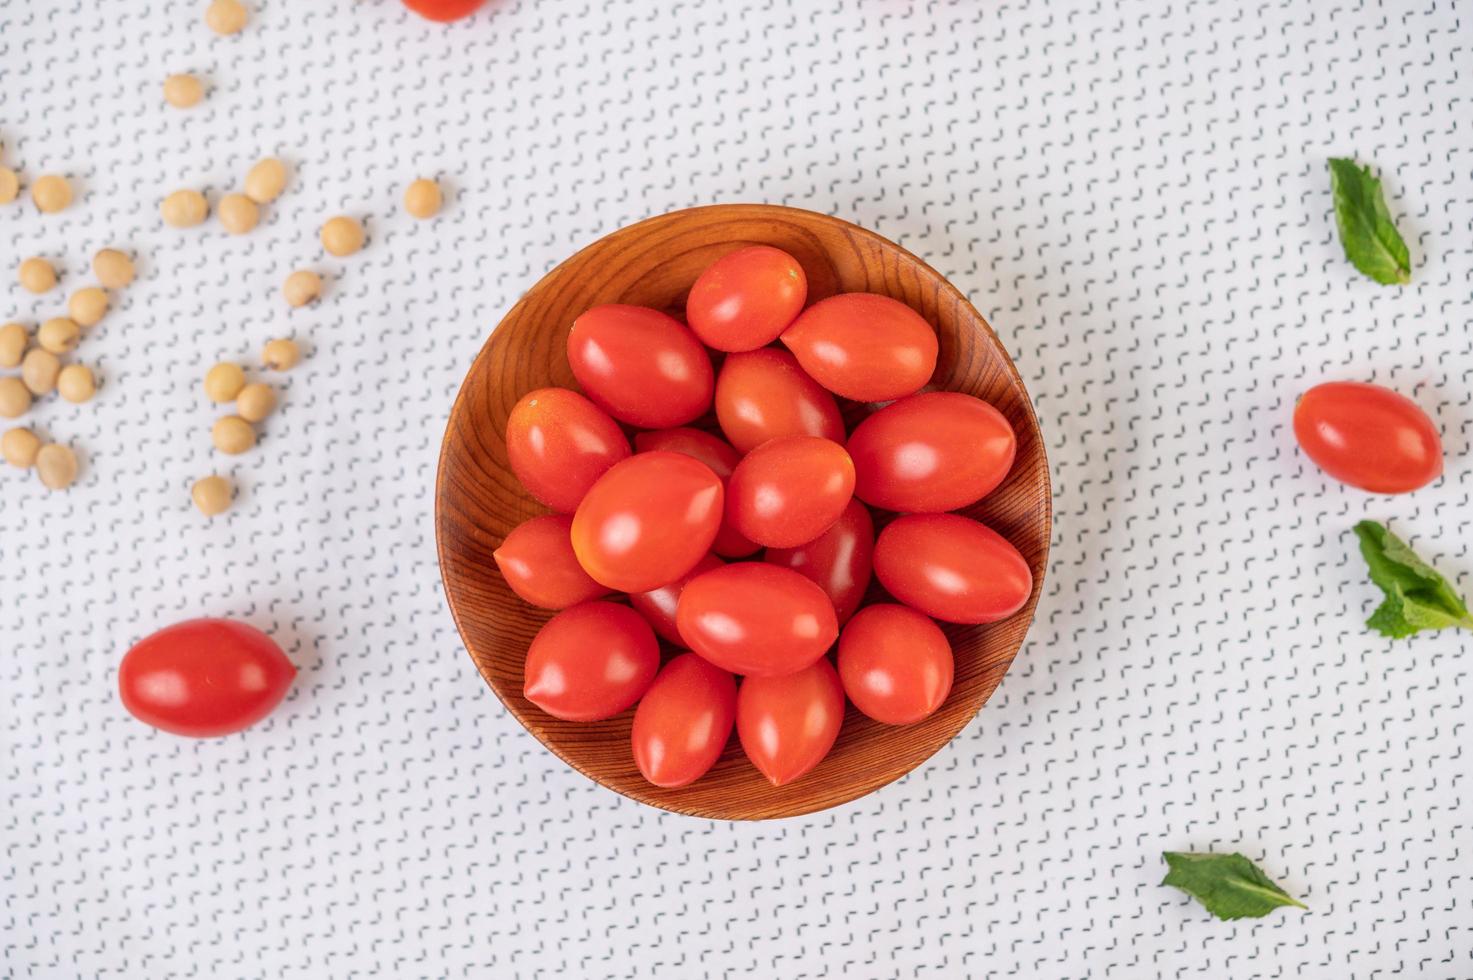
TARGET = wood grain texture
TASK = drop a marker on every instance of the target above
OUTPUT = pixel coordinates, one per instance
(654, 263)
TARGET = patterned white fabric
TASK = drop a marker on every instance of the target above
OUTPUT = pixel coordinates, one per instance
(1136, 195)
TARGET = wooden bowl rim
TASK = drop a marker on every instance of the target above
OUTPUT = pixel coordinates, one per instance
(748, 210)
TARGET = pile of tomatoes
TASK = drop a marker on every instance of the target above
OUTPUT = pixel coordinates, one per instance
(753, 550)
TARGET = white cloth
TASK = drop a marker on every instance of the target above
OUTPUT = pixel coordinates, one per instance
(1134, 193)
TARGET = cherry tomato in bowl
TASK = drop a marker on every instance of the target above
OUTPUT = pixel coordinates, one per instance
(952, 568)
(559, 443)
(658, 606)
(789, 490)
(647, 521)
(931, 452)
(537, 561)
(746, 298)
(1368, 436)
(683, 721)
(204, 678)
(764, 394)
(788, 724)
(895, 663)
(840, 561)
(864, 346)
(716, 454)
(444, 10)
(756, 619)
(640, 365)
(590, 662)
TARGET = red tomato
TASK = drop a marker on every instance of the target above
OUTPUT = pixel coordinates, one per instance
(789, 490)
(864, 346)
(537, 561)
(763, 394)
(692, 442)
(640, 366)
(444, 10)
(204, 677)
(952, 568)
(931, 452)
(788, 724)
(895, 663)
(658, 605)
(756, 619)
(840, 560)
(1368, 436)
(590, 662)
(647, 521)
(746, 298)
(683, 721)
(714, 453)
(559, 443)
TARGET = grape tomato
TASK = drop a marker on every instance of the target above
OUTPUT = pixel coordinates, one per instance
(647, 521)
(640, 365)
(840, 561)
(1368, 436)
(789, 490)
(590, 662)
(788, 724)
(931, 452)
(756, 619)
(444, 10)
(204, 678)
(658, 606)
(694, 443)
(895, 663)
(952, 568)
(746, 298)
(683, 721)
(764, 394)
(537, 561)
(559, 443)
(716, 454)
(864, 346)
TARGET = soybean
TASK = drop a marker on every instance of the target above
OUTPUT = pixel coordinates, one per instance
(184, 208)
(225, 16)
(51, 193)
(113, 268)
(56, 465)
(211, 494)
(342, 236)
(15, 398)
(59, 335)
(232, 435)
(266, 180)
(38, 370)
(87, 306)
(223, 382)
(255, 402)
(280, 354)
(183, 91)
(14, 339)
(36, 275)
(76, 384)
(19, 447)
(301, 287)
(423, 198)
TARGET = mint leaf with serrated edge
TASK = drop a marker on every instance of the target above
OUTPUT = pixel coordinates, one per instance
(1371, 241)
(1417, 597)
(1228, 885)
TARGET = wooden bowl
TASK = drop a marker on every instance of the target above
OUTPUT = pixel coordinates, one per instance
(654, 263)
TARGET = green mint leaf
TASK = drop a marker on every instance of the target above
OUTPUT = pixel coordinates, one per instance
(1417, 597)
(1371, 241)
(1228, 885)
